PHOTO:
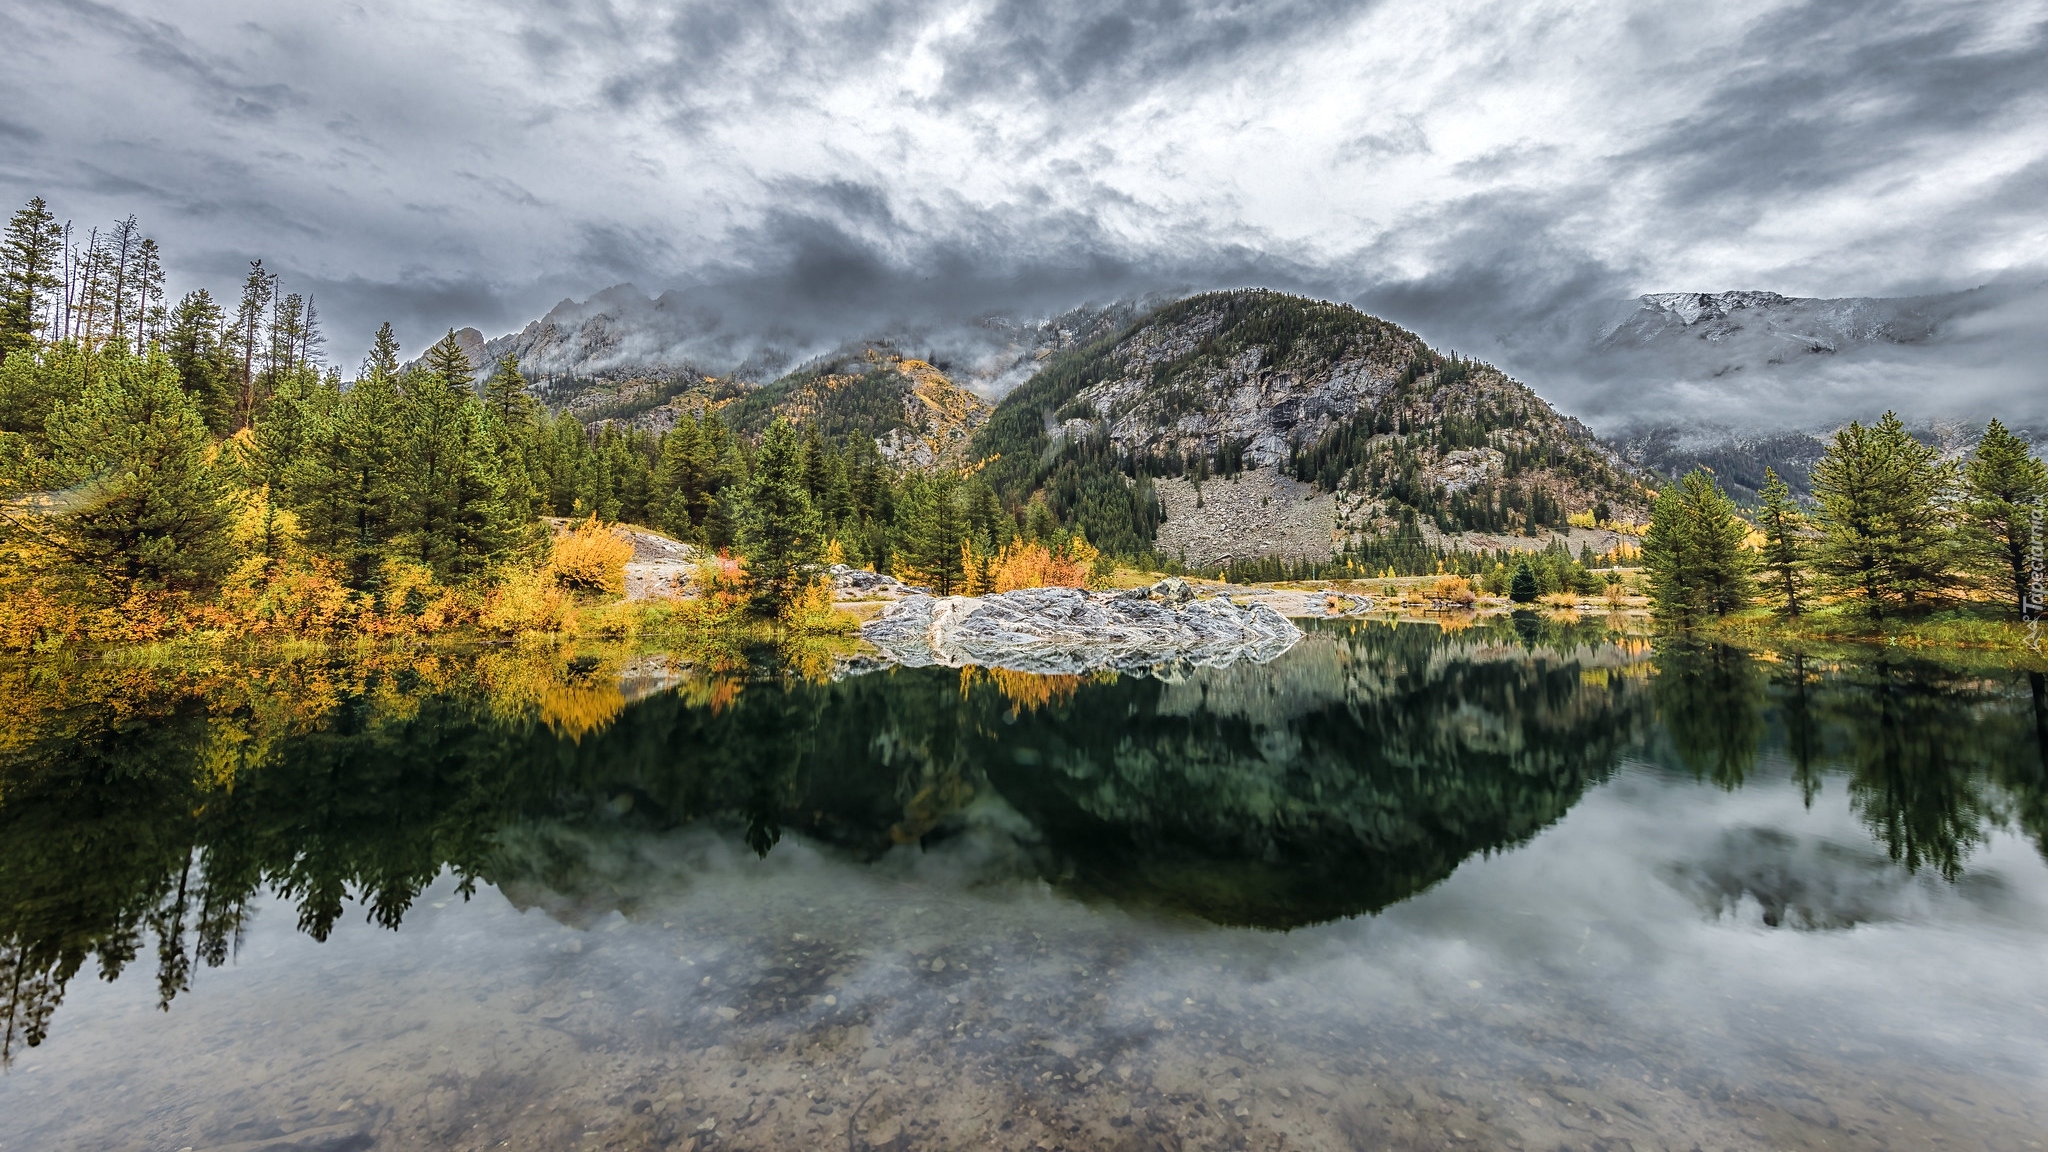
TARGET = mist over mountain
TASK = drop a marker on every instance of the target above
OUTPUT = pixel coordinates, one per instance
(622, 351)
(1755, 364)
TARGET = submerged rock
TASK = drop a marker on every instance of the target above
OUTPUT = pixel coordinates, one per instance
(1066, 630)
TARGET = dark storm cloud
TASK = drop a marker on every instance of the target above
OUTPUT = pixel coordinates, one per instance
(1831, 90)
(1059, 49)
(1495, 176)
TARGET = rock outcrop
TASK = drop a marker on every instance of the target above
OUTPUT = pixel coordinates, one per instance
(849, 583)
(1066, 630)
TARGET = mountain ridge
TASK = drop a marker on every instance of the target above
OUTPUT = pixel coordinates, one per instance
(1393, 435)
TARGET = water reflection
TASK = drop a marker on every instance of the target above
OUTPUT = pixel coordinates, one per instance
(147, 812)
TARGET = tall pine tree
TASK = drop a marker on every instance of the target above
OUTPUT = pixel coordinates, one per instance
(1693, 552)
(447, 360)
(779, 532)
(200, 354)
(350, 486)
(31, 255)
(1784, 553)
(454, 513)
(1885, 537)
(251, 341)
(2004, 487)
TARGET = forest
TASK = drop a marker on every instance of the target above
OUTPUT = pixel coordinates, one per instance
(166, 466)
(1895, 533)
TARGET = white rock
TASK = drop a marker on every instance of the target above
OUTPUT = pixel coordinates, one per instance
(1065, 630)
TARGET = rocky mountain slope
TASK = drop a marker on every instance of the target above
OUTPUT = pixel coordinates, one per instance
(1358, 409)
(915, 414)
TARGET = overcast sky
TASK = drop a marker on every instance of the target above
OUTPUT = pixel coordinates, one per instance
(1471, 169)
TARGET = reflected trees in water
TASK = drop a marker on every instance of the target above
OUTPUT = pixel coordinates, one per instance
(148, 809)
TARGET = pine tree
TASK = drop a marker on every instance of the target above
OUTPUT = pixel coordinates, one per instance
(1784, 554)
(453, 509)
(683, 480)
(383, 353)
(200, 355)
(779, 530)
(250, 341)
(147, 312)
(2005, 488)
(1693, 551)
(514, 419)
(1522, 589)
(349, 487)
(281, 430)
(35, 380)
(447, 360)
(150, 508)
(1884, 533)
(30, 256)
(505, 393)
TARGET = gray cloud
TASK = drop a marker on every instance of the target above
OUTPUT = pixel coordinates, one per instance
(1493, 175)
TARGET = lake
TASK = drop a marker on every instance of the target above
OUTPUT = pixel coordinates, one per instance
(1517, 885)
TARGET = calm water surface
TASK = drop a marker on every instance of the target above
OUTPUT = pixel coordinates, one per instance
(1401, 888)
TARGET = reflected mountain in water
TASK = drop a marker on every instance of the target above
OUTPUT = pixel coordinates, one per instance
(143, 810)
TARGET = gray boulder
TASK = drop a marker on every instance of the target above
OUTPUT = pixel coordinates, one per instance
(1065, 630)
(859, 584)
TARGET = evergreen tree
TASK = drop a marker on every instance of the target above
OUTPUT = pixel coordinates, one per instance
(1522, 590)
(779, 530)
(685, 479)
(34, 381)
(2004, 489)
(148, 508)
(569, 468)
(349, 487)
(454, 517)
(282, 430)
(251, 341)
(200, 355)
(505, 394)
(1693, 552)
(447, 360)
(30, 256)
(1884, 539)
(1784, 555)
(383, 353)
(514, 419)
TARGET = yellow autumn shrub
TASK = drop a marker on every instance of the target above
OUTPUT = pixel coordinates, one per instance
(590, 558)
(527, 601)
(1455, 589)
(1030, 564)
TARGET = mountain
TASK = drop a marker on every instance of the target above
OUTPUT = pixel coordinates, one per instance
(1352, 423)
(1738, 331)
(625, 356)
(1761, 364)
(915, 414)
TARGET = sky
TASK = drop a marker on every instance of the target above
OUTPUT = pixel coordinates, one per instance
(1482, 172)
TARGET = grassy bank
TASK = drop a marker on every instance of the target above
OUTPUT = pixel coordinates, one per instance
(1961, 630)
